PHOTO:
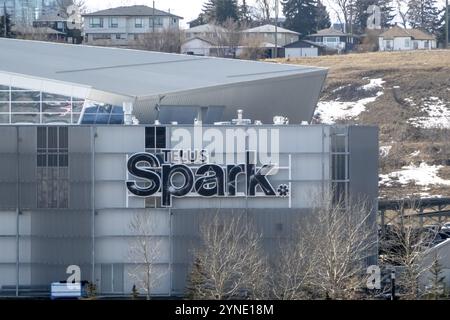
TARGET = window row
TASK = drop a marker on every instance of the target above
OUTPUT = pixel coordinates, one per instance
(48, 107)
(35, 118)
(17, 95)
(113, 22)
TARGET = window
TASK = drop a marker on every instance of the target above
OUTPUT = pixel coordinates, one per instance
(138, 23)
(331, 39)
(158, 22)
(118, 36)
(96, 22)
(52, 167)
(339, 165)
(114, 22)
(155, 137)
(407, 43)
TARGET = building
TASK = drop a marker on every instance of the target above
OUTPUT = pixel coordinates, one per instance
(334, 39)
(399, 39)
(79, 121)
(266, 34)
(125, 25)
(304, 48)
(205, 31)
(58, 22)
(199, 46)
(25, 12)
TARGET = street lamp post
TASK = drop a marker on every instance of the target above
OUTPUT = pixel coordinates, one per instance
(276, 28)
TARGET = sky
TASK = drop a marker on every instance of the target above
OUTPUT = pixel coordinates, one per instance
(188, 9)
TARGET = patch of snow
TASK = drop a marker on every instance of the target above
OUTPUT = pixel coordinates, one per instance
(374, 84)
(423, 175)
(438, 114)
(384, 151)
(410, 101)
(340, 88)
(415, 153)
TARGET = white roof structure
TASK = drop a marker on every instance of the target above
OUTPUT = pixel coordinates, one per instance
(150, 79)
(269, 28)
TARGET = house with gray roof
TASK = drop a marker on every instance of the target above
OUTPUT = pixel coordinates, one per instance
(125, 25)
(334, 40)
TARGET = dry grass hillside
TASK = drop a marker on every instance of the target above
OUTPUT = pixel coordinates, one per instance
(406, 94)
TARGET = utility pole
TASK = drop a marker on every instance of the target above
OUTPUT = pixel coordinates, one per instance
(5, 32)
(153, 18)
(276, 28)
(446, 24)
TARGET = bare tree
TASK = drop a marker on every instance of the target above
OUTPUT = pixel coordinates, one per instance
(265, 10)
(344, 10)
(342, 234)
(63, 6)
(229, 263)
(405, 246)
(144, 251)
(403, 11)
(252, 48)
(228, 38)
(168, 40)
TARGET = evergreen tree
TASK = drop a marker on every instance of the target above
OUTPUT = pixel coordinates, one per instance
(6, 24)
(361, 15)
(300, 15)
(441, 31)
(195, 282)
(425, 15)
(437, 286)
(322, 16)
(201, 20)
(219, 11)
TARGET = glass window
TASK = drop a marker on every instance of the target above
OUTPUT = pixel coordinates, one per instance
(138, 22)
(407, 43)
(96, 22)
(339, 143)
(59, 118)
(25, 107)
(4, 95)
(4, 107)
(339, 167)
(114, 22)
(56, 107)
(155, 138)
(25, 118)
(54, 97)
(25, 96)
(3, 87)
(4, 118)
(52, 163)
(157, 20)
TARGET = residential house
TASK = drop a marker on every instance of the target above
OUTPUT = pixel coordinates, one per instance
(204, 31)
(334, 39)
(304, 48)
(58, 22)
(398, 39)
(199, 46)
(266, 34)
(125, 25)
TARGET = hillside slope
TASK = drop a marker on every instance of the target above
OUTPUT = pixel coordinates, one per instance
(407, 94)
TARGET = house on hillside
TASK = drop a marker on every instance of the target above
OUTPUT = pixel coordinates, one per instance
(199, 46)
(399, 39)
(304, 48)
(334, 39)
(266, 34)
(204, 31)
(58, 22)
(124, 25)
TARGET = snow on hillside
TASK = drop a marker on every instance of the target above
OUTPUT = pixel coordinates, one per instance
(422, 175)
(438, 114)
(330, 111)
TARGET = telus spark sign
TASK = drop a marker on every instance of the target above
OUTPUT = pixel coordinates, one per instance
(157, 174)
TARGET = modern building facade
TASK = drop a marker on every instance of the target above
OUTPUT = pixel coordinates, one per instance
(92, 137)
(126, 25)
(25, 12)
